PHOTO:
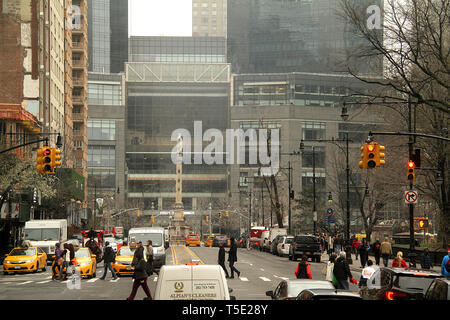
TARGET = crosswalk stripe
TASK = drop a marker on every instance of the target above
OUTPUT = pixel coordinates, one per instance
(93, 280)
(264, 279)
(26, 282)
(46, 281)
(114, 280)
(243, 278)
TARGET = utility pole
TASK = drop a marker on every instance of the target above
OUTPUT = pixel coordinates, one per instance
(412, 255)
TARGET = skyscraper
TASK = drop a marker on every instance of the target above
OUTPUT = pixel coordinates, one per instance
(108, 35)
(270, 36)
(209, 18)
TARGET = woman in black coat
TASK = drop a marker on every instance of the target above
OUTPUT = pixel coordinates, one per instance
(140, 275)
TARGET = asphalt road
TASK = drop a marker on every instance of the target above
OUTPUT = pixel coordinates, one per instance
(260, 272)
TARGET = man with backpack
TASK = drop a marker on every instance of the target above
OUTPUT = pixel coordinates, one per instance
(303, 270)
(108, 258)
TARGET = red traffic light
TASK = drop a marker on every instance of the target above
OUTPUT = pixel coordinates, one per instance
(371, 147)
(410, 164)
(47, 152)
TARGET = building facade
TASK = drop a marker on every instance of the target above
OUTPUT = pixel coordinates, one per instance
(161, 98)
(273, 36)
(209, 18)
(303, 106)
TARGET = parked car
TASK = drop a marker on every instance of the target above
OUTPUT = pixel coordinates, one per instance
(388, 283)
(305, 245)
(274, 244)
(283, 245)
(328, 294)
(289, 289)
(439, 289)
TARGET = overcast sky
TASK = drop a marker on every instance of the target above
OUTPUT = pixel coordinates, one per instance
(160, 17)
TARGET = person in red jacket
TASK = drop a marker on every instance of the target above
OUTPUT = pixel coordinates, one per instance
(355, 246)
(303, 270)
(399, 262)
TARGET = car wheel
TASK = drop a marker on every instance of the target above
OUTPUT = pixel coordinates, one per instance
(44, 268)
(37, 267)
(318, 259)
(294, 258)
(5, 273)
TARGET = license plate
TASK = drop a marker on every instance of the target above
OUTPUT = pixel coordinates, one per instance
(128, 268)
(17, 267)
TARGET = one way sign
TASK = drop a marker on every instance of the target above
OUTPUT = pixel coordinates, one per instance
(411, 196)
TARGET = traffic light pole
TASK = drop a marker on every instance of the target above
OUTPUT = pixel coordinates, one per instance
(412, 255)
(23, 145)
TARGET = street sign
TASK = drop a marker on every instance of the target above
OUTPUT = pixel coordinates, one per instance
(330, 220)
(411, 196)
(329, 212)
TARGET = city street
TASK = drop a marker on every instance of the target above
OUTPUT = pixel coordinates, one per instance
(260, 272)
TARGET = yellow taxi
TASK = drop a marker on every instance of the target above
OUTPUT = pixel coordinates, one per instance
(124, 257)
(85, 262)
(25, 259)
(209, 241)
(193, 240)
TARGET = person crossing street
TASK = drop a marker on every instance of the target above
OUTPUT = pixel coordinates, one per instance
(109, 258)
(232, 258)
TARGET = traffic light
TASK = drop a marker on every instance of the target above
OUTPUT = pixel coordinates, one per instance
(226, 214)
(371, 152)
(138, 213)
(411, 175)
(44, 161)
(152, 219)
(207, 218)
(55, 158)
(422, 224)
(379, 156)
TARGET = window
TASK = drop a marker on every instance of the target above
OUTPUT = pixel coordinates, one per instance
(318, 157)
(243, 179)
(101, 156)
(313, 130)
(105, 94)
(101, 130)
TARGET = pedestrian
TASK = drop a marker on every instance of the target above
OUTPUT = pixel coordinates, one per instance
(108, 259)
(445, 266)
(337, 244)
(364, 252)
(366, 274)
(386, 251)
(342, 272)
(232, 258)
(303, 270)
(329, 275)
(140, 276)
(221, 259)
(355, 245)
(399, 261)
(57, 262)
(425, 260)
(149, 255)
(376, 248)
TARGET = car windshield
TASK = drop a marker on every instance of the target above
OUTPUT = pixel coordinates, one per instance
(156, 238)
(82, 253)
(295, 288)
(289, 240)
(23, 252)
(43, 234)
(125, 252)
(413, 282)
(110, 240)
(192, 236)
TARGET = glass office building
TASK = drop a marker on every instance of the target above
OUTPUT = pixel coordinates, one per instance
(163, 97)
(270, 36)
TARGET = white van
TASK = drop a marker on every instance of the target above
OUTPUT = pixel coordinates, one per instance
(156, 235)
(192, 282)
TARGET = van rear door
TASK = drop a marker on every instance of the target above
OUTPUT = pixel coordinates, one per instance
(209, 283)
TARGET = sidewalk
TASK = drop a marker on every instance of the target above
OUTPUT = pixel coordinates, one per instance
(356, 264)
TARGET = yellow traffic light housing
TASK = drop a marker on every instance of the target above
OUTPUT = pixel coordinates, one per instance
(152, 219)
(207, 218)
(379, 156)
(411, 175)
(44, 161)
(138, 213)
(371, 152)
(363, 162)
(55, 158)
(226, 214)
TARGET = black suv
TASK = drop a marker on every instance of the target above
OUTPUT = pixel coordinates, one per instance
(305, 245)
(389, 283)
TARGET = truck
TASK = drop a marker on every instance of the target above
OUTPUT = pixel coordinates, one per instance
(305, 245)
(269, 235)
(45, 234)
(255, 236)
(156, 235)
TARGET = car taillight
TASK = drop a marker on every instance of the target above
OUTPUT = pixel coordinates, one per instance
(282, 246)
(391, 295)
(296, 246)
